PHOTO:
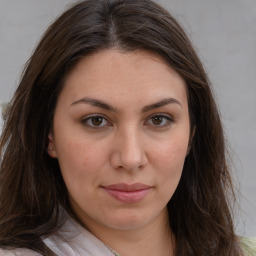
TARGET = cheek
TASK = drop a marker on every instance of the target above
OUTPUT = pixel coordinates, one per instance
(80, 161)
(168, 160)
(170, 153)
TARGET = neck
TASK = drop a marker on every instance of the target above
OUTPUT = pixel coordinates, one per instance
(154, 239)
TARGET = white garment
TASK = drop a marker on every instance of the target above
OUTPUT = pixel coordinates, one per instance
(75, 241)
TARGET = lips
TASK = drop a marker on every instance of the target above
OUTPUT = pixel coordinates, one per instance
(128, 193)
(128, 188)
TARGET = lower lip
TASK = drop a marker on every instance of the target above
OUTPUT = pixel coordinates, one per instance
(128, 196)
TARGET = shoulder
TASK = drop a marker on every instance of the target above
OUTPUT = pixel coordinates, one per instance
(249, 246)
(18, 252)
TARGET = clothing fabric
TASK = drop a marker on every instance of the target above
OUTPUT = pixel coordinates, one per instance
(74, 241)
(77, 241)
(249, 246)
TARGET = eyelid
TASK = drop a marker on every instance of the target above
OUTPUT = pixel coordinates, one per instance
(84, 119)
(170, 119)
(168, 116)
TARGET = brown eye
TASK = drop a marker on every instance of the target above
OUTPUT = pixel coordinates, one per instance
(97, 120)
(160, 120)
(157, 120)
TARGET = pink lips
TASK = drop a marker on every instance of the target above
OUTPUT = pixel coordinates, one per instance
(128, 193)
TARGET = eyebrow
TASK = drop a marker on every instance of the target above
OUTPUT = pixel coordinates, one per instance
(103, 105)
(96, 103)
(161, 104)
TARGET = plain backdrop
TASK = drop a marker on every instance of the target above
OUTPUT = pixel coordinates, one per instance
(224, 34)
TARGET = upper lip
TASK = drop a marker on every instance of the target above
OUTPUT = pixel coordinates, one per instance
(127, 187)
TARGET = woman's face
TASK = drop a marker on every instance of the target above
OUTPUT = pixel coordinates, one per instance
(121, 134)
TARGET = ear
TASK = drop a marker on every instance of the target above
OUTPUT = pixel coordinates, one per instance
(193, 131)
(51, 150)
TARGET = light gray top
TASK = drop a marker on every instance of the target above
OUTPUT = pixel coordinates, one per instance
(75, 241)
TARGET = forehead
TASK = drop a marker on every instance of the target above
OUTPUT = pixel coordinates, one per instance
(115, 74)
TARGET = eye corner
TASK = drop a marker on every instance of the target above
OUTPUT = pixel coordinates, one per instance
(95, 121)
(160, 120)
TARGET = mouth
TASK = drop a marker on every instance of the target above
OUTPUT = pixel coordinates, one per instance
(128, 193)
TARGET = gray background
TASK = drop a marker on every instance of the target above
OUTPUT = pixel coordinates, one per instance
(224, 33)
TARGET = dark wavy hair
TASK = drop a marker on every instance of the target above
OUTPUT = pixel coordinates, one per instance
(31, 186)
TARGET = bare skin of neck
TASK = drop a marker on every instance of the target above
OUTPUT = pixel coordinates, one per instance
(154, 239)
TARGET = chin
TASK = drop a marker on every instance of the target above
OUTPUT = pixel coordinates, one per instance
(129, 221)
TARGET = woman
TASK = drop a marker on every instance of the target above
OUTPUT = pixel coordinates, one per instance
(113, 144)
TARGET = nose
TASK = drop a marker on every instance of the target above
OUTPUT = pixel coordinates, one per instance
(128, 151)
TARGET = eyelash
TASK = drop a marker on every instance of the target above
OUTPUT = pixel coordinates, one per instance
(168, 121)
(88, 119)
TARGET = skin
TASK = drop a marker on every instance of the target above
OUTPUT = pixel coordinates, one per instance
(133, 141)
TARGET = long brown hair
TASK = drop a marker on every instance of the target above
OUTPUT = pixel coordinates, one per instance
(31, 186)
